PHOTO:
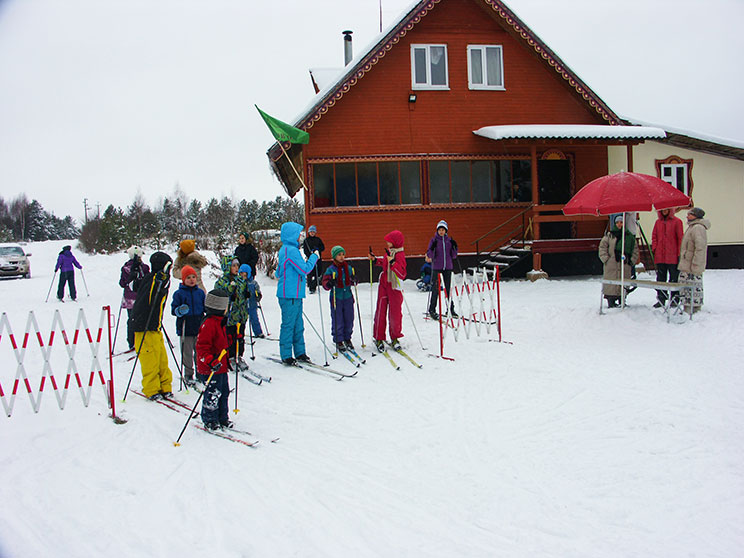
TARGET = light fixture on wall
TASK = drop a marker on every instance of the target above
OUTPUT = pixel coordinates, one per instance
(412, 97)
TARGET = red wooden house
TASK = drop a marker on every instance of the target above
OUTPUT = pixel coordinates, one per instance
(459, 112)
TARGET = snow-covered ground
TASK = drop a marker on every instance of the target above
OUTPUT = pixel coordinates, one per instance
(590, 436)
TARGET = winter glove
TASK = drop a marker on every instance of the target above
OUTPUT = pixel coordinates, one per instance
(161, 277)
(215, 365)
(259, 296)
(182, 310)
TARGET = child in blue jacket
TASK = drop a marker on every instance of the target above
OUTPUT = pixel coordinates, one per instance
(254, 297)
(188, 307)
(291, 271)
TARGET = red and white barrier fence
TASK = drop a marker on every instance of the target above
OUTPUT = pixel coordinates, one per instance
(83, 378)
(478, 305)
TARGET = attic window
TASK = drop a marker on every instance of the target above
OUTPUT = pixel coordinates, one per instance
(429, 67)
(485, 67)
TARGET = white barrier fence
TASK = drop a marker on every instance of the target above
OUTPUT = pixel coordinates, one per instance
(477, 300)
(33, 341)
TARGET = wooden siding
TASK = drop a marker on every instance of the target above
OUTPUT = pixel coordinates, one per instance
(375, 118)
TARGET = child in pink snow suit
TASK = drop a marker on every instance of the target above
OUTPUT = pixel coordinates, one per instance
(390, 291)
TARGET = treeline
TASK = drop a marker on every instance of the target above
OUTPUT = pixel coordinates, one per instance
(214, 225)
(21, 219)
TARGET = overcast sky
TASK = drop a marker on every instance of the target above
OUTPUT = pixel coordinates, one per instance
(102, 98)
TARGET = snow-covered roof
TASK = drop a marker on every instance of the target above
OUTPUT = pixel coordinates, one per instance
(324, 77)
(567, 131)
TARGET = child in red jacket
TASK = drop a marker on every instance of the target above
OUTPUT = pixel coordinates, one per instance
(211, 342)
(390, 291)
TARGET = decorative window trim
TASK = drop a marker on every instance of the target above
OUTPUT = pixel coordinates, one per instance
(484, 68)
(677, 161)
(428, 86)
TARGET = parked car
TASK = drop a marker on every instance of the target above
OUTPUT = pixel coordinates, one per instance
(14, 261)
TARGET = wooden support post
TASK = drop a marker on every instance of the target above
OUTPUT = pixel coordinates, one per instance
(629, 149)
(537, 272)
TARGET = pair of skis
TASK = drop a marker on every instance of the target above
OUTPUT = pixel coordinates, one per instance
(352, 356)
(233, 435)
(316, 368)
(254, 377)
(402, 353)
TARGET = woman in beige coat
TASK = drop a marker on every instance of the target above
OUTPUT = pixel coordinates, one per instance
(693, 255)
(187, 255)
(610, 253)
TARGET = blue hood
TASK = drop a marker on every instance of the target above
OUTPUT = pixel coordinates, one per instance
(290, 233)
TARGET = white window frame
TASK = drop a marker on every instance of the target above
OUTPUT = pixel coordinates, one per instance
(484, 68)
(685, 186)
(428, 84)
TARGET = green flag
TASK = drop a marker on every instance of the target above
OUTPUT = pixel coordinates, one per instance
(283, 131)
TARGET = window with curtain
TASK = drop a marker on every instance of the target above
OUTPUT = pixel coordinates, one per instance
(485, 67)
(429, 67)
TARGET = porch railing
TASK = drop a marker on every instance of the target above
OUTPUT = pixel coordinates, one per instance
(515, 235)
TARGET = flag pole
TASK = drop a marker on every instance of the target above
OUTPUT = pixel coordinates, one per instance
(292, 165)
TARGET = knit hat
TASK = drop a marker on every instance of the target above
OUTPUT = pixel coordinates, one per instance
(217, 300)
(245, 268)
(234, 261)
(395, 238)
(135, 251)
(337, 250)
(618, 217)
(159, 261)
(312, 228)
(697, 212)
(188, 245)
(246, 235)
(443, 223)
(186, 271)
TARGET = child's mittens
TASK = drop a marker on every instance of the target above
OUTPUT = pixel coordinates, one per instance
(259, 296)
(215, 365)
(182, 310)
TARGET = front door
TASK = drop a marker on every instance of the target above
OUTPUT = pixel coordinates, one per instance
(554, 182)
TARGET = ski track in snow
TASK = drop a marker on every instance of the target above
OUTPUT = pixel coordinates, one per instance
(614, 436)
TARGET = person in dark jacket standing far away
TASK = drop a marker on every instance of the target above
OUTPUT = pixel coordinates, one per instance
(665, 242)
(441, 254)
(132, 273)
(147, 319)
(246, 252)
(66, 264)
(313, 243)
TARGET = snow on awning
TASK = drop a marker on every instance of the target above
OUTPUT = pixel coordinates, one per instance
(569, 131)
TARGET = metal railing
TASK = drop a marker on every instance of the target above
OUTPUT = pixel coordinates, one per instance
(514, 236)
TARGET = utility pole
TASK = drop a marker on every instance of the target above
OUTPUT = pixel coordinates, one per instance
(85, 206)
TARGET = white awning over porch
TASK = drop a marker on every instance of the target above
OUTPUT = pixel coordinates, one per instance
(569, 131)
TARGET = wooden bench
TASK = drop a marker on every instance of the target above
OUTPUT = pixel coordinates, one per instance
(657, 285)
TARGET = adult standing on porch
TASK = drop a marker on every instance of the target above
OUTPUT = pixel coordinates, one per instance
(693, 257)
(666, 240)
(313, 243)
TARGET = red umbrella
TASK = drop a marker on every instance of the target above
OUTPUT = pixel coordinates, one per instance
(625, 192)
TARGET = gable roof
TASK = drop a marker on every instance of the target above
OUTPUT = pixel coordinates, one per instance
(359, 67)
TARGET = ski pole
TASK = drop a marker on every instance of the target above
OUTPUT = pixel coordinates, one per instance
(82, 274)
(173, 353)
(250, 337)
(371, 303)
(318, 334)
(118, 318)
(144, 333)
(264, 319)
(359, 312)
(412, 321)
(193, 410)
(322, 326)
(51, 285)
(237, 349)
